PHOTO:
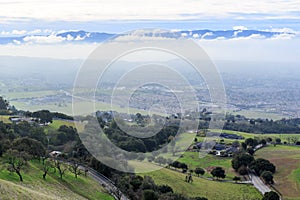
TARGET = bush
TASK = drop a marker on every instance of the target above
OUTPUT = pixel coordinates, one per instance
(260, 165)
(151, 158)
(263, 142)
(278, 141)
(236, 178)
(141, 157)
(243, 170)
(149, 195)
(241, 160)
(160, 160)
(165, 189)
(218, 172)
(268, 177)
(271, 196)
(199, 171)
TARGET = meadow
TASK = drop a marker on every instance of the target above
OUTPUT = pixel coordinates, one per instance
(209, 161)
(204, 188)
(284, 137)
(287, 162)
(35, 187)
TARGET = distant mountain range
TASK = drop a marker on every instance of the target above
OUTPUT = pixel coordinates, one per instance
(97, 37)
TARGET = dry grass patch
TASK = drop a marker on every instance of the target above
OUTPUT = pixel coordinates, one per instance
(287, 162)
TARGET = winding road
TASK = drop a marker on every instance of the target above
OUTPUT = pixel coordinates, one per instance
(107, 183)
(259, 184)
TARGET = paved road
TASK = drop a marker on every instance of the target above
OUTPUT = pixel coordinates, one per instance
(258, 183)
(109, 185)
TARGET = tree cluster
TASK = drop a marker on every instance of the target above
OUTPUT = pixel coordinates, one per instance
(136, 187)
(262, 167)
(263, 125)
(134, 144)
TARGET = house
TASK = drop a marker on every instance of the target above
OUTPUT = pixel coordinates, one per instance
(225, 135)
(15, 119)
(231, 136)
(232, 150)
(55, 154)
(21, 119)
(220, 147)
(198, 145)
(227, 152)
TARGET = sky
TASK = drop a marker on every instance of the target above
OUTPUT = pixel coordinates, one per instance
(19, 17)
(93, 10)
(109, 15)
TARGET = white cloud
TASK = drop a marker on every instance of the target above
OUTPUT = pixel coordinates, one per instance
(90, 10)
(70, 37)
(18, 32)
(239, 28)
(5, 33)
(135, 38)
(184, 34)
(78, 38)
(206, 34)
(175, 30)
(64, 30)
(48, 31)
(17, 42)
(284, 30)
(21, 32)
(196, 35)
(44, 39)
(36, 31)
(283, 36)
(256, 36)
(237, 32)
(13, 32)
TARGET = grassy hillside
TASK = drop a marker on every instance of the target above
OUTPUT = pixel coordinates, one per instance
(34, 187)
(284, 137)
(5, 118)
(192, 160)
(287, 161)
(59, 122)
(201, 187)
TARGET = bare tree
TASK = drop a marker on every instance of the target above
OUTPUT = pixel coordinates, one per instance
(47, 165)
(74, 167)
(294, 139)
(61, 167)
(16, 161)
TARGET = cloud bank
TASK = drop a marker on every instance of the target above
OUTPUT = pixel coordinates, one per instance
(67, 37)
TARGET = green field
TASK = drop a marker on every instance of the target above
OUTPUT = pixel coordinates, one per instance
(205, 188)
(259, 114)
(284, 137)
(5, 118)
(34, 187)
(81, 107)
(33, 94)
(193, 160)
(287, 162)
(57, 123)
(286, 158)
